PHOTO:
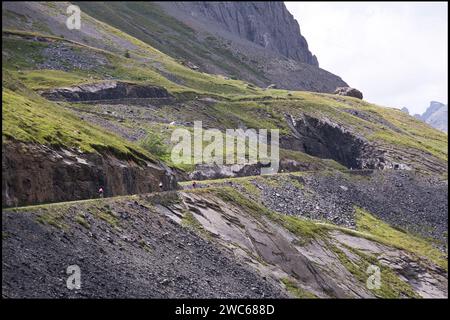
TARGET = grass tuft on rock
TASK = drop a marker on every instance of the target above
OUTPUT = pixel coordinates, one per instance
(297, 291)
(384, 233)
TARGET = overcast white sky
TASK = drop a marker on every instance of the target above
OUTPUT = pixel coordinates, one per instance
(395, 53)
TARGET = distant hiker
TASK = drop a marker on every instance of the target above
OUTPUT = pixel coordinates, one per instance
(194, 185)
(100, 192)
(160, 185)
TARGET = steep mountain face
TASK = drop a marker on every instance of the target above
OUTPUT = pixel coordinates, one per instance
(248, 20)
(227, 38)
(359, 185)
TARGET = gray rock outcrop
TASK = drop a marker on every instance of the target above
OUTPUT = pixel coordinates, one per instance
(106, 90)
(347, 91)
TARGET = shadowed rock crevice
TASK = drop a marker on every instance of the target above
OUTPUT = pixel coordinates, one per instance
(327, 140)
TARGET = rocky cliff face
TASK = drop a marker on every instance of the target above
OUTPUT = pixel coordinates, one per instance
(327, 140)
(33, 174)
(267, 24)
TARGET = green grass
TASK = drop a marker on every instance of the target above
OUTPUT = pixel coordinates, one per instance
(252, 114)
(155, 144)
(386, 234)
(392, 286)
(119, 67)
(20, 54)
(296, 290)
(59, 205)
(304, 229)
(82, 221)
(46, 79)
(104, 213)
(431, 146)
(190, 222)
(410, 132)
(250, 187)
(240, 103)
(52, 218)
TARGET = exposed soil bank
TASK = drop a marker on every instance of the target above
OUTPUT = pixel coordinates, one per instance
(33, 174)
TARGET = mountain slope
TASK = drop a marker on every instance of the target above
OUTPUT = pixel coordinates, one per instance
(97, 106)
(49, 154)
(374, 132)
(199, 244)
(170, 28)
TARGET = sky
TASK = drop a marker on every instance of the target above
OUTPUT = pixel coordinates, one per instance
(394, 52)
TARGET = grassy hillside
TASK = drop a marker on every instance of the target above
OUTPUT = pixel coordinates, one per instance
(237, 103)
(138, 67)
(27, 117)
(41, 56)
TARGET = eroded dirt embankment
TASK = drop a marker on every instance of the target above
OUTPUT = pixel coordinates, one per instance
(33, 174)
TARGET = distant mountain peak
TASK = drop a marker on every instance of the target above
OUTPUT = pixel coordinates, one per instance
(436, 115)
